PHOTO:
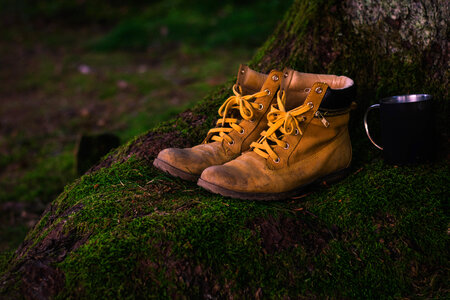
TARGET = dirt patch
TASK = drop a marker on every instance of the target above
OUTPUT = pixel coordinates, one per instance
(146, 147)
(191, 118)
(50, 280)
(197, 280)
(149, 145)
(285, 232)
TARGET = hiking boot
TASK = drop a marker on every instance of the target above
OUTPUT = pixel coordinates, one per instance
(243, 117)
(307, 141)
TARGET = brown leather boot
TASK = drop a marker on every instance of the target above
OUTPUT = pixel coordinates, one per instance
(243, 117)
(307, 141)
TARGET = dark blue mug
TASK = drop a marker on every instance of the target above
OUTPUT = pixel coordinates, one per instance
(407, 128)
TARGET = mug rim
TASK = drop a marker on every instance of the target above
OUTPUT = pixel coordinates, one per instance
(407, 98)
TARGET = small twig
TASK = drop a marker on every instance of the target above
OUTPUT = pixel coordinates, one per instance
(357, 171)
(308, 212)
(302, 196)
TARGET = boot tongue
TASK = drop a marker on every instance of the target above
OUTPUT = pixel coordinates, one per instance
(297, 85)
(251, 81)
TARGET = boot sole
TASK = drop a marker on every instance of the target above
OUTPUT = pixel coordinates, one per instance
(324, 181)
(167, 168)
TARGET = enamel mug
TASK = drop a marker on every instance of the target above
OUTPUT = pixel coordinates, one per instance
(407, 130)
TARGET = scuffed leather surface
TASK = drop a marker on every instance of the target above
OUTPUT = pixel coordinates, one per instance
(313, 155)
(194, 160)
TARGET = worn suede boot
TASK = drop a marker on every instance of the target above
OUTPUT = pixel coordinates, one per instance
(243, 117)
(307, 141)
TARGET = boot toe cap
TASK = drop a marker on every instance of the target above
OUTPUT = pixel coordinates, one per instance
(168, 155)
(223, 176)
(177, 158)
(183, 159)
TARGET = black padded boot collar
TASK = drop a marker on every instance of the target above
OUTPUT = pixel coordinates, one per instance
(337, 99)
(297, 85)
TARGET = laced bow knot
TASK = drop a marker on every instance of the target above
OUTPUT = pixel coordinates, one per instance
(244, 104)
(281, 123)
(288, 121)
(245, 107)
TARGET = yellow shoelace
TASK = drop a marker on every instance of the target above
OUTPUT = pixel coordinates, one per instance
(281, 123)
(246, 107)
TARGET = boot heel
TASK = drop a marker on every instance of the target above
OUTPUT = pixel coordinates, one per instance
(334, 177)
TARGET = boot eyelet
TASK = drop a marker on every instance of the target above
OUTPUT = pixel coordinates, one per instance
(311, 105)
(307, 90)
(276, 160)
(232, 143)
(251, 120)
(242, 131)
(296, 132)
(319, 90)
(275, 78)
(267, 91)
(286, 75)
(260, 106)
(242, 71)
(287, 146)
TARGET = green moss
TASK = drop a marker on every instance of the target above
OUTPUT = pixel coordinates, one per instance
(135, 216)
(157, 228)
(386, 229)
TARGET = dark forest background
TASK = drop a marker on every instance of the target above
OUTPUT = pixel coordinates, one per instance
(74, 68)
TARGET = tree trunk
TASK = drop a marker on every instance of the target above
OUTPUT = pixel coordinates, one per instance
(124, 229)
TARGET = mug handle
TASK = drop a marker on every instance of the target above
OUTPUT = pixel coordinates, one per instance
(366, 126)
